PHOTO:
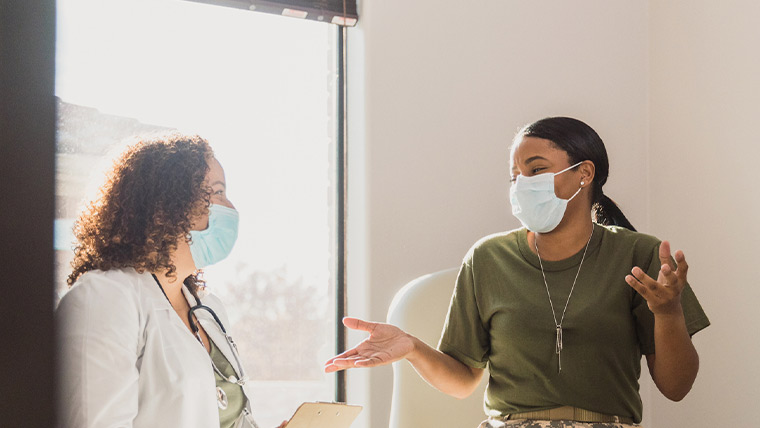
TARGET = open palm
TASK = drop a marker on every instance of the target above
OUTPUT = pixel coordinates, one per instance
(386, 343)
(664, 294)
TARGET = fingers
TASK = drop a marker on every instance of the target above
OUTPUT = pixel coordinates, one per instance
(641, 282)
(663, 295)
(636, 285)
(683, 267)
(346, 354)
(665, 258)
(676, 265)
(334, 366)
(357, 324)
(350, 358)
(337, 364)
(355, 361)
(644, 279)
(669, 278)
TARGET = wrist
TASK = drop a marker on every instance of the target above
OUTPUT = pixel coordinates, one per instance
(417, 348)
(674, 318)
(671, 311)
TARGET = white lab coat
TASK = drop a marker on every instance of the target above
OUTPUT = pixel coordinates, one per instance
(127, 360)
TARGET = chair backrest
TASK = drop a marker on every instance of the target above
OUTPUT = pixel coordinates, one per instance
(420, 309)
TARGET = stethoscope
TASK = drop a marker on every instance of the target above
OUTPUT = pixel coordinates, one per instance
(221, 396)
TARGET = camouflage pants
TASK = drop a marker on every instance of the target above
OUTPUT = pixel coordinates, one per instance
(530, 423)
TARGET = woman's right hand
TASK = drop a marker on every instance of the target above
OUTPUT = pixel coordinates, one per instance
(386, 343)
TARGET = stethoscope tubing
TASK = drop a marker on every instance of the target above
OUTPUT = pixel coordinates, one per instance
(196, 332)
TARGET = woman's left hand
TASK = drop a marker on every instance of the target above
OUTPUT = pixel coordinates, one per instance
(663, 295)
(283, 424)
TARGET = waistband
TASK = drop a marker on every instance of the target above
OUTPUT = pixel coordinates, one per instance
(571, 414)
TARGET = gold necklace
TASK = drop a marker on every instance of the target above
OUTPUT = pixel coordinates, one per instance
(558, 325)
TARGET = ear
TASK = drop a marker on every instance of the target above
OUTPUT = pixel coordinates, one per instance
(587, 170)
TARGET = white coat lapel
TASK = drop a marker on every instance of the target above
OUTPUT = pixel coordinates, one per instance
(214, 331)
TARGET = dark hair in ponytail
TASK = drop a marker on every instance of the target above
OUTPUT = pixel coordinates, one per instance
(581, 143)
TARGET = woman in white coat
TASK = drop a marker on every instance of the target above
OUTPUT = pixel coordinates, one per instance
(139, 342)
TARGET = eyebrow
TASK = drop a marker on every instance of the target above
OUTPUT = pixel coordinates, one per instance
(219, 182)
(534, 158)
(528, 161)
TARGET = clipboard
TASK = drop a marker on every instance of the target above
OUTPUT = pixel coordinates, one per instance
(324, 415)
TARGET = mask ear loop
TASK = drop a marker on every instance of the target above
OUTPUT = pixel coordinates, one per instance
(582, 183)
(575, 194)
(569, 168)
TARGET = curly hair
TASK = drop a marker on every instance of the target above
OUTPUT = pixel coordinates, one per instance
(145, 206)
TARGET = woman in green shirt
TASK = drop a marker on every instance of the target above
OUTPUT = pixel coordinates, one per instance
(560, 311)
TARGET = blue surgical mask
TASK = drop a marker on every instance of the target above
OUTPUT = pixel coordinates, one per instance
(535, 204)
(215, 243)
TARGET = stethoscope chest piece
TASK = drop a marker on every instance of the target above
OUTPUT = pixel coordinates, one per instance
(221, 398)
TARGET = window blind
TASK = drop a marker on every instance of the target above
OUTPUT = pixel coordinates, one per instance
(341, 12)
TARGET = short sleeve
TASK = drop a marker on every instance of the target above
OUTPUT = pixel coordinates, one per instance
(696, 319)
(464, 336)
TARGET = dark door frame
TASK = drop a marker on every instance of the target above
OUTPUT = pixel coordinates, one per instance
(27, 206)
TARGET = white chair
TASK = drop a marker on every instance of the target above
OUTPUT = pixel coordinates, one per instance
(420, 309)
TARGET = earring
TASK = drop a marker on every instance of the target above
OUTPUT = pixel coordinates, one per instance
(582, 183)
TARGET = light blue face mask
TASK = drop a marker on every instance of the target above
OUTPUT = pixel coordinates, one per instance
(535, 204)
(215, 243)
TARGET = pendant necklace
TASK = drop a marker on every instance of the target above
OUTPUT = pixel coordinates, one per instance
(558, 325)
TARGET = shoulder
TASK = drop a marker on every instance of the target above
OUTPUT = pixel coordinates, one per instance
(114, 276)
(495, 245)
(621, 235)
(113, 287)
(112, 303)
(500, 239)
(116, 280)
(618, 242)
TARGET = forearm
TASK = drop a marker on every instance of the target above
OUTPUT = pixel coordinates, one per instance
(442, 371)
(676, 362)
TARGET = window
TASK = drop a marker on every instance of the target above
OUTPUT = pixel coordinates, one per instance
(262, 89)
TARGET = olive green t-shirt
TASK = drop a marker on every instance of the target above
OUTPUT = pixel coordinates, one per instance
(500, 318)
(235, 396)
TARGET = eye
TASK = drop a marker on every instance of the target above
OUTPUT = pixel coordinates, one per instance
(537, 170)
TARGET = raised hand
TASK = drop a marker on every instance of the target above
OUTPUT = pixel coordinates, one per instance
(664, 294)
(386, 343)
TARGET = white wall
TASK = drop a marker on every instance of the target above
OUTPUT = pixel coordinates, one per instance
(672, 87)
(435, 98)
(704, 150)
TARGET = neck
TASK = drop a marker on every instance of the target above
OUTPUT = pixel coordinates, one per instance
(183, 262)
(564, 241)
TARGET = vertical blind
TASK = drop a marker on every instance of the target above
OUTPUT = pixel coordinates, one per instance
(341, 12)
